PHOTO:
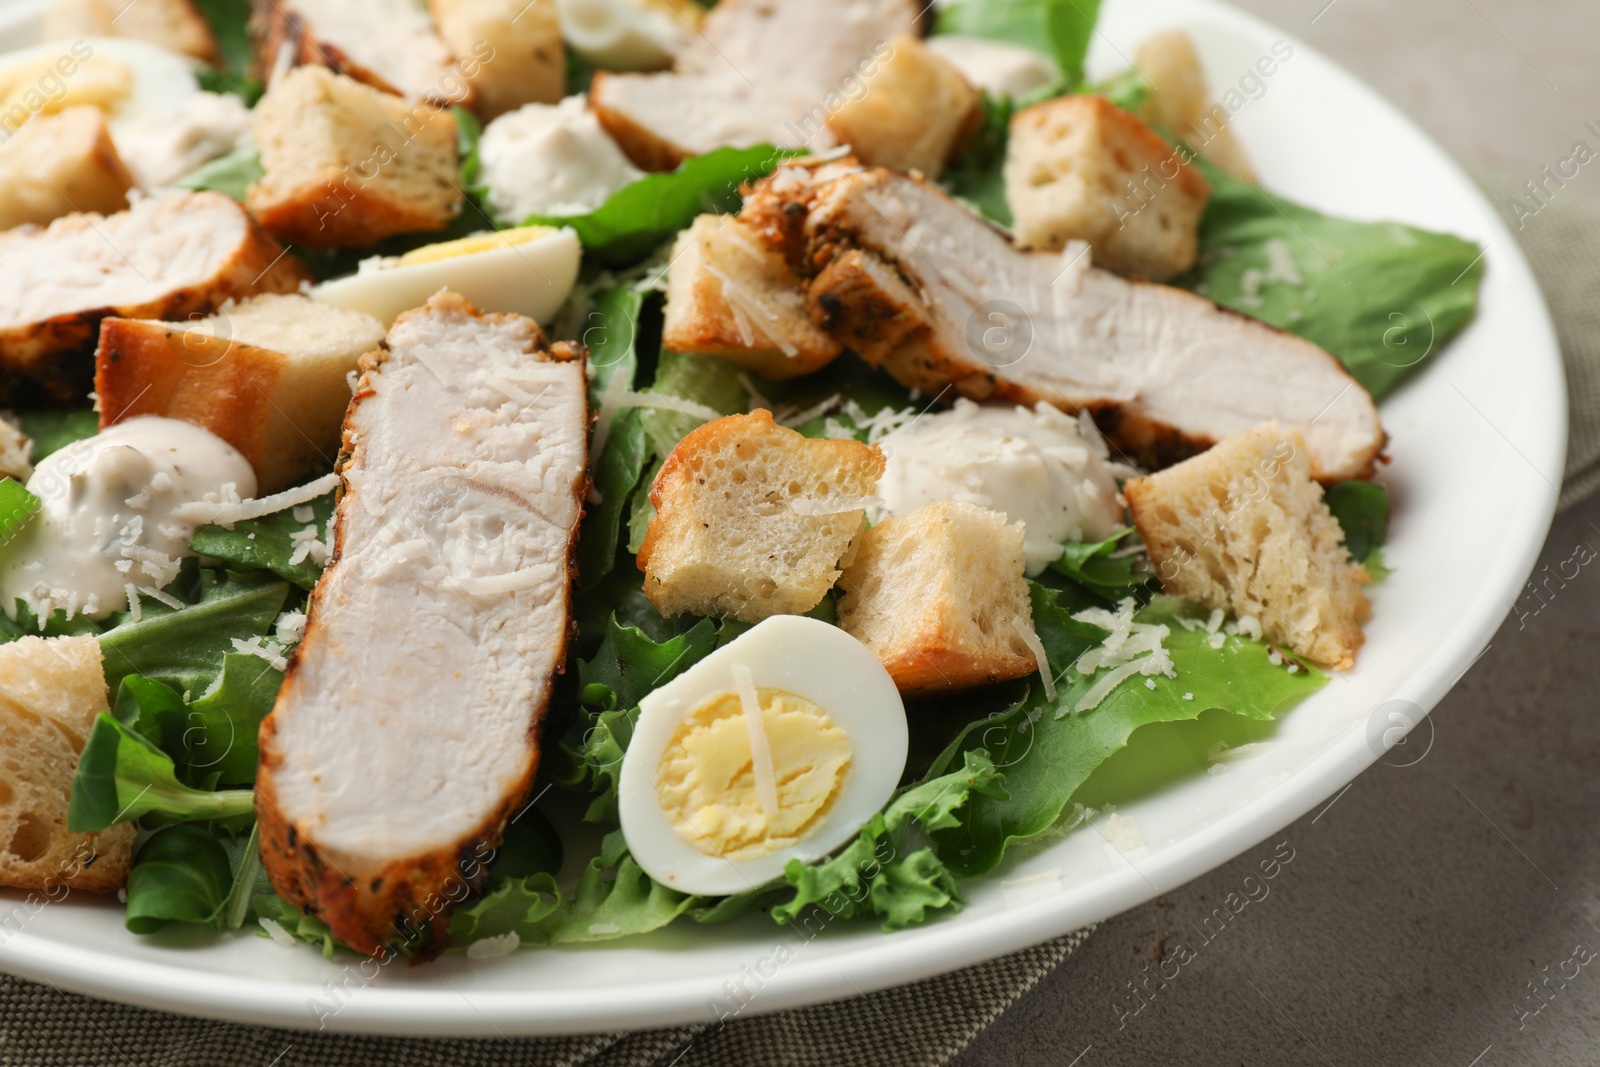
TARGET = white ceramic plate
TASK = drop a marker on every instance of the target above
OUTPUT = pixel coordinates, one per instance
(1478, 443)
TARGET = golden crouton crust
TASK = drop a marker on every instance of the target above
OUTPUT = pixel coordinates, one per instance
(51, 362)
(407, 905)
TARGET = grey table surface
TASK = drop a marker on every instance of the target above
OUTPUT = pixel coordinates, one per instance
(1448, 911)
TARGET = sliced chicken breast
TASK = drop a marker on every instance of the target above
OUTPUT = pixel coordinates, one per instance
(406, 733)
(756, 72)
(166, 257)
(916, 282)
(389, 44)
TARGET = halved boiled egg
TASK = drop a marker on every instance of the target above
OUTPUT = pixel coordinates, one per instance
(777, 746)
(530, 270)
(126, 79)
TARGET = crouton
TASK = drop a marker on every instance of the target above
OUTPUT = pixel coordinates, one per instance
(175, 25)
(509, 50)
(16, 451)
(1244, 528)
(57, 164)
(1178, 102)
(166, 257)
(1081, 168)
(913, 108)
(348, 165)
(268, 375)
(752, 519)
(391, 45)
(939, 596)
(50, 692)
(730, 296)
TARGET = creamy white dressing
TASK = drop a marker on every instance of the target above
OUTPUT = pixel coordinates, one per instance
(1039, 467)
(107, 523)
(625, 34)
(1003, 69)
(551, 159)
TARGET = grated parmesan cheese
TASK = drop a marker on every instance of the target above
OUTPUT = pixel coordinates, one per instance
(226, 513)
(262, 648)
(760, 748)
(489, 948)
(513, 582)
(1031, 639)
(1131, 648)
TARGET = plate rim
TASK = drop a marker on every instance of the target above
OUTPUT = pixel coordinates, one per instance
(908, 956)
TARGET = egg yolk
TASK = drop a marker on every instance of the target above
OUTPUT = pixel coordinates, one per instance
(480, 242)
(706, 779)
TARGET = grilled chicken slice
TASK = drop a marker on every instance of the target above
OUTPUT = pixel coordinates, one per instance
(167, 257)
(756, 72)
(389, 44)
(915, 282)
(406, 732)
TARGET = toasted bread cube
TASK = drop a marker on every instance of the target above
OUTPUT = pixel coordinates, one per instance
(175, 25)
(58, 164)
(939, 596)
(1081, 168)
(752, 518)
(509, 50)
(16, 451)
(50, 692)
(912, 109)
(269, 375)
(1179, 103)
(729, 295)
(348, 165)
(1244, 528)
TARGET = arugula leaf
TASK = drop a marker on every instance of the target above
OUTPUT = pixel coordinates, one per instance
(640, 215)
(181, 874)
(875, 874)
(1129, 90)
(1047, 751)
(230, 24)
(232, 174)
(1060, 29)
(1362, 509)
(17, 506)
(185, 648)
(612, 899)
(223, 724)
(52, 429)
(1092, 566)
(628, 666)
(121, 776)
(1379, 295)
(266, 543)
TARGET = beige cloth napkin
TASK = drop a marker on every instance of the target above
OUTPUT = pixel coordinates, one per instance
(924, 1024)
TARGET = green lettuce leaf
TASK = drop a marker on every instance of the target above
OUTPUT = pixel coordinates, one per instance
(469, 132)
(611, 330)
(121, 776)
(641, 215)
(185, 648)
(879, 873)
(52, 429)
(266, 543)
(230, 24)
(1362, 509)
(1060, 29)
(17, 506)
(1091, 565)
(230, 175)
(211, 738)
(1047, 751)
(1379, 295)
(976, 175)
(612, 899)
(294, 922)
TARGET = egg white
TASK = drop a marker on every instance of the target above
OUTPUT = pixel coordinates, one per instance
(532, 279)
(810, 659)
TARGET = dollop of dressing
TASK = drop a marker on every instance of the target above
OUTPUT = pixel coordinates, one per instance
(1040, 467)
(551, 159)
(106, 525)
